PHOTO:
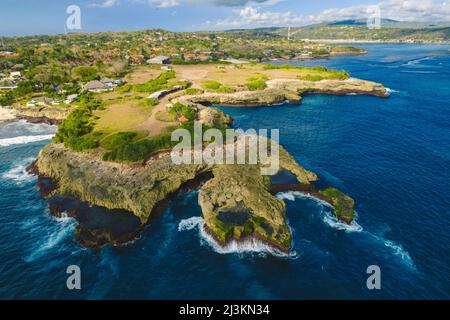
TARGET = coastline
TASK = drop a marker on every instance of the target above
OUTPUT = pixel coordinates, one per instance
(376, 41)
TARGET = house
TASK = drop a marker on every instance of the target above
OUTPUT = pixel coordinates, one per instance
(7, 84)
(166, 68)
(15, 74)
(31, 103)
(136, 59)
(190, 57)
(96, 86)
(159, 60)
(71, 98)
(183, 119)
(8, 54)
(204, 57)
(112, 83)
(43, 101)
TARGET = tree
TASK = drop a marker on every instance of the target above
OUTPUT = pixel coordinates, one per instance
(85, 73)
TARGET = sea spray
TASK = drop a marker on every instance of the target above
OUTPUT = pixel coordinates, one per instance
(389, 90)
(24, 140)
(399, 251)
(18, 172)
(328, 217)
(60, 230)
(250, 245)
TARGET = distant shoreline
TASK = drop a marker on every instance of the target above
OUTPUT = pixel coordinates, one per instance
(371, 41)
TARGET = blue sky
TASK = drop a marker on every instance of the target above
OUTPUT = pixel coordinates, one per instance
(27, 17)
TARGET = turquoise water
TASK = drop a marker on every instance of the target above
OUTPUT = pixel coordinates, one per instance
(391, 155)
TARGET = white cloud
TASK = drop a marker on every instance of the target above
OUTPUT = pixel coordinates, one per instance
(174, 3)
(105, 4)
(166, 3)
(402, 10)
(250, 17)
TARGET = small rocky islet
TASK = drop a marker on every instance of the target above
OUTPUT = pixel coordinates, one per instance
(237, 201)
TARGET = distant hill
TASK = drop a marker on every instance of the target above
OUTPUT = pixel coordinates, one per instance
(357, 30)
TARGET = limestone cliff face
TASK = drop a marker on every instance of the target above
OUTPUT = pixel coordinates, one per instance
(236, 202)
(246, 98)
(114, 186)
(51, 115)
(213, 117)
(282, 90)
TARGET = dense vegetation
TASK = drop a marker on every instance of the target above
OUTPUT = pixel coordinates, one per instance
(75, 129)
(159, 83)
(215, 86)
(257, 83)
(312, 74)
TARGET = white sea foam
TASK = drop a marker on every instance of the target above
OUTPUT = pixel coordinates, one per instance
(64, 218)
(333, 222)
(24, 140)
(61, 231)
(18, 172)
(329, 218)
(401, 252)
(191, 223)
(416, 61)
(292, 195)
(389, 90)
(240, 247)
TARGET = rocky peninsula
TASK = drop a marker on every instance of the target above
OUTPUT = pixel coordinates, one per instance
(236, 200)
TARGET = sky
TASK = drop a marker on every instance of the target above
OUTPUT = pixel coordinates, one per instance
(30, 17)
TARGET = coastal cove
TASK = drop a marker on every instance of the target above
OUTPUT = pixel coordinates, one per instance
(362, 145)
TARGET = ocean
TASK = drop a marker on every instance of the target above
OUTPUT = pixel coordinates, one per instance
(391, 155)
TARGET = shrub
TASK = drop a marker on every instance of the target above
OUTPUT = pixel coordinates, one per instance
(181, 110)
(225, 89)
(81, 143)
(311, 77)
(157, 84)
(151, 102)
(117, 139)
(256, 84)
(138, 151)
(192, 91)
(73, 130)
(211, 85)
(125, 88)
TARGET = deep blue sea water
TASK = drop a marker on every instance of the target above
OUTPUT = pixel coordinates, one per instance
(391, 155)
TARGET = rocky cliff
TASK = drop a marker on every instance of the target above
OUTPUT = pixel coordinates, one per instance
(236, 203)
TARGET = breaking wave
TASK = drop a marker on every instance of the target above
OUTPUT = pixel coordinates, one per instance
(389, 90)
(18, 173)
(241, 247)
(333, 222)
(24, 140)
(63, 229)
(328, 217)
